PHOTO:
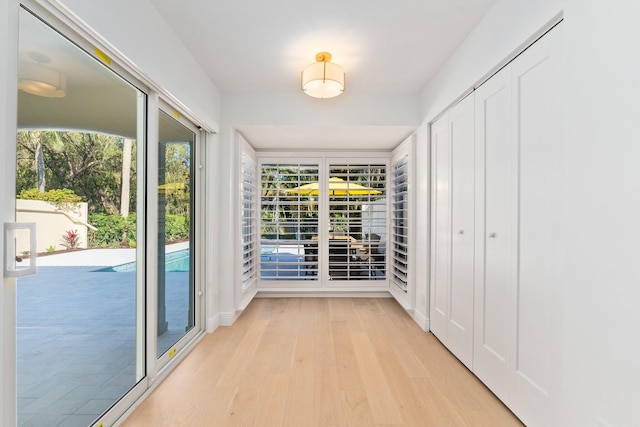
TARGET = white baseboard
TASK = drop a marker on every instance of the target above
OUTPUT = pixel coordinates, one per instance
(213, 323)
(421, 319)
(227, 319)
(328, 293)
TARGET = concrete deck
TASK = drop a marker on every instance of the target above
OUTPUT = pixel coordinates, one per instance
(76, 332)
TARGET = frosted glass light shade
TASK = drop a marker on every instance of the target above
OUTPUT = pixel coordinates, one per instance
(323, 79)
(39, 80)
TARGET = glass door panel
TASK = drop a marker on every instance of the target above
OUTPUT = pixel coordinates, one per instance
(80, 143)
(176, 192)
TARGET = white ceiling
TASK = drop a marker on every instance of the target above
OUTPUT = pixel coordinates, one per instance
(385, 46)
(326, 138)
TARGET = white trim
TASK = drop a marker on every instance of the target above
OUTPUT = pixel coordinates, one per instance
(152, 384)
(420, 319)
(213, 323)
(151, 259)
(211, 255)
(8, 129)
(322, 293)
(228, 318)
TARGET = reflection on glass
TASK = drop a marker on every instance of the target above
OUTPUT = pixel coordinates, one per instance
(176, 282)
(79, 319)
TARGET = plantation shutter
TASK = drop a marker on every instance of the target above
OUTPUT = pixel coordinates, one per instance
(249, 192)
(357, 221)
(399, 222)
(289, 221)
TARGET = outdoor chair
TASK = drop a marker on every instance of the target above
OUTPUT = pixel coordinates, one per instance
(311, 259)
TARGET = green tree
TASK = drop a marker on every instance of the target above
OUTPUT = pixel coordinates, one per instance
(90, 164)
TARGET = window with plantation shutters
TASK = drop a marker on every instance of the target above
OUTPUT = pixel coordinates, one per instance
(357, 221)
(249, 194)
(289, 221)
(399, 222)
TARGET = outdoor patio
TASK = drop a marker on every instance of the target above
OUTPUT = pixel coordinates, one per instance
(76, 335)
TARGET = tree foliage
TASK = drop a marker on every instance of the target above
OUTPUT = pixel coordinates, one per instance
(177, 172)
(89, 164)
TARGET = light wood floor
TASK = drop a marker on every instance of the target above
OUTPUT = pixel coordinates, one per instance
(305, 362)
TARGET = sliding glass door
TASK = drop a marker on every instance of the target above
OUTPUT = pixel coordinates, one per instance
(78, 174)
(100, 219)
(176, 244)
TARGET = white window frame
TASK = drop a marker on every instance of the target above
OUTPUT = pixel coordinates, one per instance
(325, 286)
(302, 283)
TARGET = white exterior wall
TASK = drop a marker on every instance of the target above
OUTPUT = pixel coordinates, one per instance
(51, 223)
(600, 317)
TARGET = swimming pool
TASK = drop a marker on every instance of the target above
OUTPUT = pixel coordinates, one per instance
(177, 261)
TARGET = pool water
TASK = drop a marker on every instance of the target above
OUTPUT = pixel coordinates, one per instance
(177, 261)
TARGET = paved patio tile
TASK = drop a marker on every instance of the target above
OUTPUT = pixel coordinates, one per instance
(76, 332)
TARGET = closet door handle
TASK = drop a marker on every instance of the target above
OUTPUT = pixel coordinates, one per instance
(493, 235)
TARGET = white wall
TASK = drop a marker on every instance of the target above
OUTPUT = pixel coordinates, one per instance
(506, 27)
(422, 228)
(289, 109)
(136, 29)
(601, 318)
(294, 109)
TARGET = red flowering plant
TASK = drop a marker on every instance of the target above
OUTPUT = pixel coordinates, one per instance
(71, 239)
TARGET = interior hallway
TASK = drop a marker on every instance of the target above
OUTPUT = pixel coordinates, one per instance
(321, 362)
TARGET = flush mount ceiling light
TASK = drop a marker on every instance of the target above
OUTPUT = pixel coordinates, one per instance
(40, 80)
(323, 79)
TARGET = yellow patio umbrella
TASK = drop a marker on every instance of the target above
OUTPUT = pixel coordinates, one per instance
(337, 187)
(171, 188)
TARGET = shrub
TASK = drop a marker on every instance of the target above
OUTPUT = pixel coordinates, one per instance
(71, 239)
(51, 249)
(112, 230)
(176, 228)
(62, 198)
(116, 231)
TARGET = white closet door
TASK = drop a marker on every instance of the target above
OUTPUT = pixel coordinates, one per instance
(494, 303)
(460, 322)
(441, 228)
(519, 182)
(537, 113)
